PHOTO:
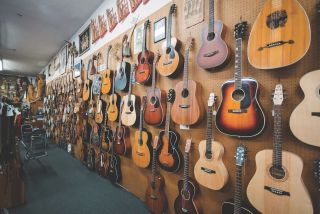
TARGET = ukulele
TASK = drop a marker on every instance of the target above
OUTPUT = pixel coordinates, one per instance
(107, 76)
(114, 103)
(169, 157)
(214, 52)
(140, 149)
(170, 63)
(155, 197)
(121, 139)
(145, 59)
(87, 85)
(308, 110)
(277, 186)
(317, 177)
(154, 113)
(210, 170)
(280, 36)
(187, 109)
(130, 103)
(113, 172)
(236, 206)
(239, 113)
(122, 74)
(187, 200)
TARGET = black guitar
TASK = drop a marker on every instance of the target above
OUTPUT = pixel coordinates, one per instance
(114, 169)
(236, 206)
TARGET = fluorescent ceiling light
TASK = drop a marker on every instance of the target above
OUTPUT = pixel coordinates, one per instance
(1, 64)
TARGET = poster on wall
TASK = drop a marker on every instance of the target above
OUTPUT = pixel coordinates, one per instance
(137, 40)
(159, 30)
(112, 19)
(84, 41)
(193, 12)
(95, 33)
(135, 4)
(123, 9)
(102, 25)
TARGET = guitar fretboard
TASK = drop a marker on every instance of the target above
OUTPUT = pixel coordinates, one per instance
(154, 167)
(277, 137)
(211, 17)
(185, 69)
(167, 126)
(186, 171)
(209, 130)
(238, 190)
(238, 64)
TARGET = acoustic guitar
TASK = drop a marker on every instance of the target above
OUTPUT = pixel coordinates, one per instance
(87, 84)
(155, 197)
(100, 110)
(210, 170)
(145, 58)
(187, 200)
(107, 76)
(127, 42)
(277, 185)
(308, 110)
(106, 134)
(169, 157)
(214, 52)
(122, 74)
(113, 172)
(187, 108)
(239, 113)
(170, 63)
(236, 204)
(130, 104)
(280, 36)
(93, 69)
(114, 103)
(141, 146)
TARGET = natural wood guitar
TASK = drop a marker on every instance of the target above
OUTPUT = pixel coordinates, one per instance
(87, 84)
(100, 110)
(210, 170)
(214, 52)
(114, 104)
(308, 110)
(107, 76)
(239, 113)
(280, 36)
(187, 108)
(277, 186)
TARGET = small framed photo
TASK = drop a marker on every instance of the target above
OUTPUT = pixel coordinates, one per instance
(77, 68)
(84, 41)
(63, 59)
(137, 40)
(160, 31)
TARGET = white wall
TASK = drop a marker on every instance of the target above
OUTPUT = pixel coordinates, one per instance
(142, 12)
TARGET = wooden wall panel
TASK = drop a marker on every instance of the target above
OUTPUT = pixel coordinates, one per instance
(229, 11)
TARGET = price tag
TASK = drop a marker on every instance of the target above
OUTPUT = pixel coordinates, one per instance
(184, 127)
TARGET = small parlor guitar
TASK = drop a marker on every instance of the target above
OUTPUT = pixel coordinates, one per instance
(145, 58)
(239, 113)
(235, 205)
(113, 172)
(130, 104)
(187, 108)
(169, 157)
(308, 110)
(155, 197)
(122, 74)
(107, 76)
(277, 185)
(155, 111)
(87, 85)
(114, 104)
(280, 35)
(170, 62)
(214, 52)
(141, 145)
(209, 170)
(187, 200)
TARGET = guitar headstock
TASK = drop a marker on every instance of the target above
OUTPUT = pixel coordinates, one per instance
(317, 171)
(173, 9)
(171, 96)
(188, 146)
(155, 142)
(240, 30)
(212, 99)
(190, 42)
(241, 155)
(146, 24)
(278, 95)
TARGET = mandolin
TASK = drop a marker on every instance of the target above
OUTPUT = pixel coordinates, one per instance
(113, 172)
(169, 157)
(210, 170)
(308, 110)
(154, 113)
(239, 113)
(277, 185)
(121, 139)
(280, 36)
(87, 85)
(236, 205)
(155, 197)
(170, 63)
(122, 74)
(214, 52)
(107, 76)
(114, 103)
(130, 103)
(187, 200)
(140, 148)
(145, 58)
(187, 108)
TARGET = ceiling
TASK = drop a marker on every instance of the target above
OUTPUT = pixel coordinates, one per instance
(33, 31)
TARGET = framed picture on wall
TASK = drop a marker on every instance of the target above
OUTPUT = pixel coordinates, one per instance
(84, 41)
(137, 40)
(63, 59)
(77, 68)
(160, 27)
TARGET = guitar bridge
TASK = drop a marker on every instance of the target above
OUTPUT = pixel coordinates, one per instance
(316, 114)
(277, 191)
(237, 111)
(140, 154)
(211, 54)
(141, 72)
(184, 106)
(275, 44)
(167, 63)
(209, 171)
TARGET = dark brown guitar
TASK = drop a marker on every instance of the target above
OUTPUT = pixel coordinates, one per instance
(93, 70)
(187, 200)
(155, 111)
(121, 139)
(155, 197)
(113, 172)
(145, 58)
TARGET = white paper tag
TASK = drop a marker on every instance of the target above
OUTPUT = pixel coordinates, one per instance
(102, 67)
(184, 127)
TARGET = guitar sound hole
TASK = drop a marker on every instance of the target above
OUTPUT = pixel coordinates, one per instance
(185, 93)
(142, 61)
(211, 36)
(168, 50)
(154, 101)
(185, 194)
(129, 103)
(277, 172)
(238, 95)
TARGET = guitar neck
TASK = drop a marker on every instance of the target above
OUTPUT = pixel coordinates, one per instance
(144, 44)
(169, 30)
(209, 130)
(238, 64)
(238, 190)
(167, 127)
(130, 87)
(154, 76)
(186, 171)
(108, 58)
(211, 17)
(141, 123)
(185, 69)
(154, 167)
(277, 138)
